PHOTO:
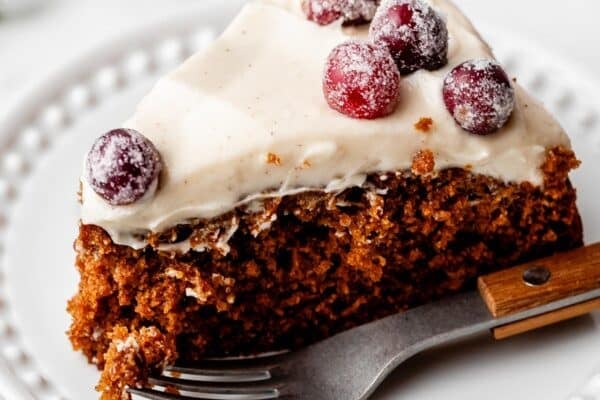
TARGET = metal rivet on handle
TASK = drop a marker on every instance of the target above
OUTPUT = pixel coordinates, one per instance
(537, 276)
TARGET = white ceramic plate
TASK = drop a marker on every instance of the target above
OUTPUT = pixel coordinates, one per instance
(41, 150)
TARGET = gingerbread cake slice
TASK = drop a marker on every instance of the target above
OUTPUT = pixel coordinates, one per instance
(323, 164)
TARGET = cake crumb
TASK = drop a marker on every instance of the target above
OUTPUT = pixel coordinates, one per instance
(264, 225)
(97, 334)
(423, 162)
(173, 273)
(222, 244)
(273, 159)
(199, 293)
(130, 359)
(129, 343)
(424, 124)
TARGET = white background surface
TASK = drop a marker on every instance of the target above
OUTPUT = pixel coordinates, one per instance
(33, 46)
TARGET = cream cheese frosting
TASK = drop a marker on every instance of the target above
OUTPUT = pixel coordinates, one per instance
(246, 119)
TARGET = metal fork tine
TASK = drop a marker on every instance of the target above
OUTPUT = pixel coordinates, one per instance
(213, 394)
(247, 378)
(263, 388)
(154, 395)
(225, 376)
(233, 370)
(257, 356)
(235, 363)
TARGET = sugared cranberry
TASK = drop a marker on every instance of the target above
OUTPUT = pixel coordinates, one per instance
(479, 96)
(325, 12)
(361, 80)
(122, 166)
(415, 34)
(360, 11)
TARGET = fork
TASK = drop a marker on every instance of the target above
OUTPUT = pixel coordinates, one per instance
(351, 365)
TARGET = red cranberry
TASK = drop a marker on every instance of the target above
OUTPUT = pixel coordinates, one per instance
(353, 12)
(323, 12)
(361, 80)
(360, 11)
(122, 166)
(415, 34)
(479, 96)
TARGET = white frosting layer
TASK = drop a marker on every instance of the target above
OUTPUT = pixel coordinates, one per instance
(258, 91)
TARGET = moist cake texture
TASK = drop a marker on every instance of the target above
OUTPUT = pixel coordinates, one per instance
(308, 266)
(304, 175)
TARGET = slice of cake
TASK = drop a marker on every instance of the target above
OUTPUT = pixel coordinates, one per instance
(307, 173)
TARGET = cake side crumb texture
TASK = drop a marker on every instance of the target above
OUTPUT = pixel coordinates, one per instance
(322, 264)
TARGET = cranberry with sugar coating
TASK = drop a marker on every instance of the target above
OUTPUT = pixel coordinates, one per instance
(323, 12)
(122, 166)
(479, 96)
(361, 80)
(415, 34)
(353, 12)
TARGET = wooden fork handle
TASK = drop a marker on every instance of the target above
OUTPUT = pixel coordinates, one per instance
(545, 281)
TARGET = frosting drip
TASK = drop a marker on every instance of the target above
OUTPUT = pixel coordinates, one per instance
(247, 119)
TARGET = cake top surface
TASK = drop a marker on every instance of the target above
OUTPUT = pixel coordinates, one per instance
(247, 119)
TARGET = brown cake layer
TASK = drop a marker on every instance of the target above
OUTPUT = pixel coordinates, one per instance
(304, 267)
